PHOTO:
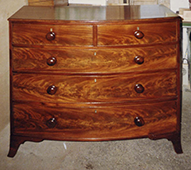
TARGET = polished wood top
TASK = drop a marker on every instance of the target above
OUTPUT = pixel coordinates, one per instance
(94, 13)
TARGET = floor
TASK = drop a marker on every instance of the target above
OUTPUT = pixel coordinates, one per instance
(142, 154)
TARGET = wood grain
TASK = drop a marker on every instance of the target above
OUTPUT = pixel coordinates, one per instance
(94, 60)
(41, 2)
(124, 34)
(114, 88)
(103, 122)
(73, 35)
(101, 82)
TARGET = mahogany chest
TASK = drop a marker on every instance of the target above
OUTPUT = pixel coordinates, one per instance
(95, 74)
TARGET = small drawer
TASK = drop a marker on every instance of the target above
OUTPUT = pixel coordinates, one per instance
(103, 122)
(133, 34)
(65, 35)
(94, 61)
(115, 88)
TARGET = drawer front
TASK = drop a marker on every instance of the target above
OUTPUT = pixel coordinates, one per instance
(95, 122)
(115, 88)
(137, 34)
(94, 61)
(65, 35)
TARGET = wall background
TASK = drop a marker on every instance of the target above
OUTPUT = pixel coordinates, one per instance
(176, 4)
(7, 8)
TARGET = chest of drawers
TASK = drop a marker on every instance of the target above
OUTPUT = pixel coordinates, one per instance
(95, 74)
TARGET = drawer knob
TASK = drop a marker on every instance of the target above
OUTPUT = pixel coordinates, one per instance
(52, 90)
(139, 121)
(139, 34)
(51, 123)
(51, 61)
(139, 88)
(50, 36)
(139, 60)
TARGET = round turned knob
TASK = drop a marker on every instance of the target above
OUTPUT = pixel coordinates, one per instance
(52, 89)
(139, 121)
(51, 61)
(139, 88)
(50, 36)
(139, 60)
(138, 34)
(51, 123)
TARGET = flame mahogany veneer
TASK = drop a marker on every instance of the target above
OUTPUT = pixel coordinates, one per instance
(112, 74)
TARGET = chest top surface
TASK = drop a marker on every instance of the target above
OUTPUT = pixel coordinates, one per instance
(94, 13)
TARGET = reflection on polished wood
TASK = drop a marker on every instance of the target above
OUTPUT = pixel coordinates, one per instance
(47, 2)
(41, 2)
(94, 13)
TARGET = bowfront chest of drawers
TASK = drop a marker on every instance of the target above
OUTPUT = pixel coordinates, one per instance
(95, 74)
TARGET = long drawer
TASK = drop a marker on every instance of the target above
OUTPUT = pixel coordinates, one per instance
(105, 122)
(115, 88)
(133, 34)
(94, 60)
(65, 35)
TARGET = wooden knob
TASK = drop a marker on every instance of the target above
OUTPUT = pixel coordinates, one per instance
(51, 61)
(50, 36)
(51, 123)
(139, 121)
(139, 88)
(139, 60)
(52, 90)
(138, 34)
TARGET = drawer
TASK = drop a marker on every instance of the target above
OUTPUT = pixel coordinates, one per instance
(115, 88)
(94, 61)
(104, 122)
(134, 34)
(65, 35)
